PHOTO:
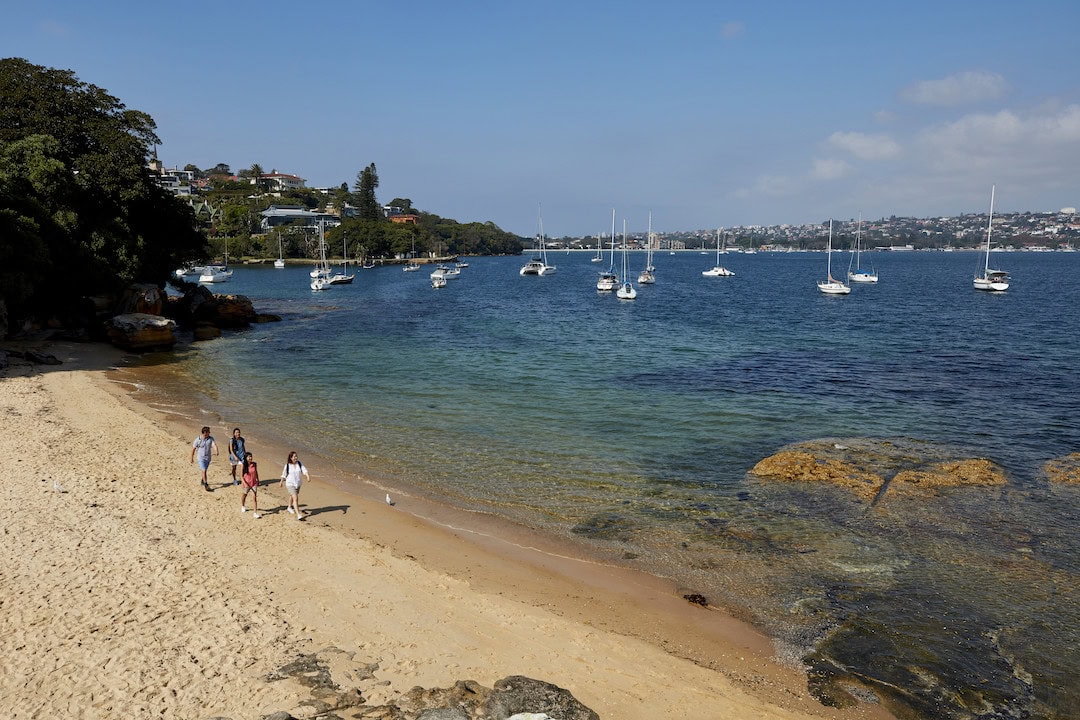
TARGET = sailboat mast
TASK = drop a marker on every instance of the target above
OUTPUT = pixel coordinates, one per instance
(989, 226)
(613, 239)
(829, 252)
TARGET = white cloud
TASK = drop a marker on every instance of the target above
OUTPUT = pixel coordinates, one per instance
(864, 146)
(830, 169)
(732, 29)
(957, 89)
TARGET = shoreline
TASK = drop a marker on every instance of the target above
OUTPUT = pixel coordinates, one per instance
(464, 596)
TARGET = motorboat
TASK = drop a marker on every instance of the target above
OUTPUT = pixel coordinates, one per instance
(438, 281)
(446, 271)
(215, 274)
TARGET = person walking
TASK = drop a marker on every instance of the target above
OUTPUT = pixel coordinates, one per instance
(236, 453)
(292, 478)
(204, 445)
(250, 484)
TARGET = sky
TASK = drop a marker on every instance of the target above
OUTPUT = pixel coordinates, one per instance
(704, 114)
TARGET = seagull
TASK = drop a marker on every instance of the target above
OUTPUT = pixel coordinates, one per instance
(388, 500)
(57, 486)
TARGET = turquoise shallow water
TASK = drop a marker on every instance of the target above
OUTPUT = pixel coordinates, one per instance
(629, 428)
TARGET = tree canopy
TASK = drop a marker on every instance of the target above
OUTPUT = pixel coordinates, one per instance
(80, 214)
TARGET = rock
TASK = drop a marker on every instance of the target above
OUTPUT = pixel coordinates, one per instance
(266, 317)
(443, 714)
(1064, 469)
(141, 298)
(465, 695)
(803, 466)
(517, 694)
(141, 332)
(206, 331)
(234, 311)
(958, 473)
(40, 358)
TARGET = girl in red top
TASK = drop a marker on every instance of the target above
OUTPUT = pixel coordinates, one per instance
(250, 484)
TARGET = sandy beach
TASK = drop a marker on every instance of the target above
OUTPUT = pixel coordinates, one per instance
(128, 591)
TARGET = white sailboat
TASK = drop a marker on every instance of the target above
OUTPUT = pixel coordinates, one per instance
(832, 286)
(538, 265)
(343, 277)
(599, 248)
(320, 275)
(992, 280)
(719, 270)
(280, 262)
(608, 280)
(626, 291)
(647, 276)
(856, 272)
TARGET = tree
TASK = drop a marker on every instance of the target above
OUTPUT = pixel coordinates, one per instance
(74, 187)
(367, 206)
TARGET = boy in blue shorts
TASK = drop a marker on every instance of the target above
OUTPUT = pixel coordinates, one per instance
(204, 445)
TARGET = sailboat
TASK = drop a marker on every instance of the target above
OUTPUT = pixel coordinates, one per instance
(859, 274)
(321, 272)
(719, 270)
(343, 277)
(538, 265)
(280, 262)
(608, 280)
(626, 291)
(992, 280)
(647, 277)
(832, 286)
(599, 248)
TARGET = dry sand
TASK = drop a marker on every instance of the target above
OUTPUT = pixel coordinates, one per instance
(126, 591)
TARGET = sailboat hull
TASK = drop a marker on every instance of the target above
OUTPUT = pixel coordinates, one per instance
(862, 277)
(834, 288)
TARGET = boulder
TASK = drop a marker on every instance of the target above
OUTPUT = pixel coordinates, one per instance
(141, 298)
(517, 694)
(234, 311)
(141, 332)
(206, 331)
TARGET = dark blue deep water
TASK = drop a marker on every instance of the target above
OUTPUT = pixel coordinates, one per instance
(629, 428)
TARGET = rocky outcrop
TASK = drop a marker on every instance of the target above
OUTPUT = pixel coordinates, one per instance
(959, 473)
(1063, 469)
(199, 305)
(803, 466)
(141, 332)
(513, 698)
(141, 298)
(878, 469)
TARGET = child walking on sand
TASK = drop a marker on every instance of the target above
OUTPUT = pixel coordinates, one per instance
(250, 484)
(292, 477)
(204, 445)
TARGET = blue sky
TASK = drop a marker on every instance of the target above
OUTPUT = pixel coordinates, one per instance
(706, 113)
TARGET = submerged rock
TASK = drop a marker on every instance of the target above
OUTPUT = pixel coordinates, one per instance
(1063, 469)
(803, 466)
(959, 473)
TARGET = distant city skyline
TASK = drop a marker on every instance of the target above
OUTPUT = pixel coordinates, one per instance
(705, 114)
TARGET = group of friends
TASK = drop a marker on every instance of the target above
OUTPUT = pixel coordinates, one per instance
(292, 475)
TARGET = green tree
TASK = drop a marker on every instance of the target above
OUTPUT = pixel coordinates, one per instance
(367, 206)
(74, 185)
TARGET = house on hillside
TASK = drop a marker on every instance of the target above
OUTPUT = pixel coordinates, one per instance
(278, 215)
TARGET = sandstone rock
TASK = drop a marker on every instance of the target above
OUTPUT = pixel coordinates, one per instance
(141, 298)
(803, 466)
(206, 331)
(233, 311)
(958, 473)
(141, 332)
(1063, 469)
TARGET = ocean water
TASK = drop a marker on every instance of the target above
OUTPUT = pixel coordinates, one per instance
(629, 427)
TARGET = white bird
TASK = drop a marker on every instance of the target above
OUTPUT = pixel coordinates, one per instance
(57, 486)
(388, 500)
